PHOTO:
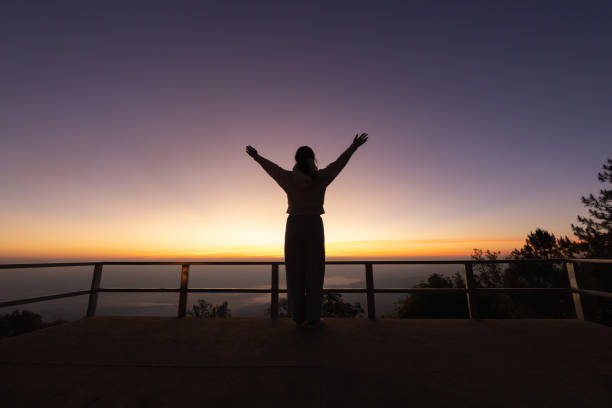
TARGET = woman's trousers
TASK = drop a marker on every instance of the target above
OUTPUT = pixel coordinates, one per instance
(305, 266)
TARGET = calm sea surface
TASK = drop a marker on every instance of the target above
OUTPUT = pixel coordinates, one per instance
(25, 283)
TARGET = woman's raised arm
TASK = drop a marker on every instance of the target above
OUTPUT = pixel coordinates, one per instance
(279, 174)
(331, 171)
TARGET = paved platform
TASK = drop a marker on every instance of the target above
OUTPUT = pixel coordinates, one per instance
(169, 362)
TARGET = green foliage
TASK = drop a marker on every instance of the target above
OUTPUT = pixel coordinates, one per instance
(595, 233)
(205, 309)
(19, 322)
(542, 244)
(538, 245)
(434, 305)
(487, 275)
(332, 305)
(491, 275)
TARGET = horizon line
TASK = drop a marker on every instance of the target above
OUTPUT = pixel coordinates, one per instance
(447, 247)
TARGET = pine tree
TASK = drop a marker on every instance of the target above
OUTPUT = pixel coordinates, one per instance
(542, 244)
(595, 233)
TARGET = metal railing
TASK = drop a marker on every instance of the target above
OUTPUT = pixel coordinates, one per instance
(470, 291)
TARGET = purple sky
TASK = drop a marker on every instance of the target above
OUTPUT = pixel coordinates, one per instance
(124, 123)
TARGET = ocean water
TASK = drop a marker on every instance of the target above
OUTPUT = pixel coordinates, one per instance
(25, 283)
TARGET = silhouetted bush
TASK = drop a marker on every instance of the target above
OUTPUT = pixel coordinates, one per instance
(538, 245)
(332, 305)
(417, 305)
(19, 322)
(205, 309)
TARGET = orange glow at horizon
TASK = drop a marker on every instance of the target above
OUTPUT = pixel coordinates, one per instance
(252, 228)
(355, 249)
(190, 213)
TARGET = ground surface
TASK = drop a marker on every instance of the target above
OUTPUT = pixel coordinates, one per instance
(144, 361)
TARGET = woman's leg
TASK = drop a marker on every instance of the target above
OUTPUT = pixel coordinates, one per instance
(315, 246)
(295, 267)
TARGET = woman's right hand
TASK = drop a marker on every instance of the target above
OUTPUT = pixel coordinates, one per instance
(251, 151)
(360, 139)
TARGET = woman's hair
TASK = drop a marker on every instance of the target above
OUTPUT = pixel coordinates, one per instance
(304, 156)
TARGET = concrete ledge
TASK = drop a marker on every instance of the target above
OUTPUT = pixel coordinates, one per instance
(154, 361)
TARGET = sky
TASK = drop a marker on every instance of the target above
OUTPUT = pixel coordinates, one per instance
(124, 124)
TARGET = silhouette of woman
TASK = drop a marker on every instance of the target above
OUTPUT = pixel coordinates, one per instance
(304, 238)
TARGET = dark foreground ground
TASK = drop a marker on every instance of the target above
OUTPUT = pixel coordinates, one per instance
(149, 362)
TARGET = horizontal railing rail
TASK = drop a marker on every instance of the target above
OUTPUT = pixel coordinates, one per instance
(469, 290)
(373, 262)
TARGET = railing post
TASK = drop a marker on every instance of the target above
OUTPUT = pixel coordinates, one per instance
(370, 291)
(183, 292)
(472, 301)
(574, 285)
(93, 294)
(274, 293)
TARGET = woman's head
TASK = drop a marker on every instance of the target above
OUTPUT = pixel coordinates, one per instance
(305, 160)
